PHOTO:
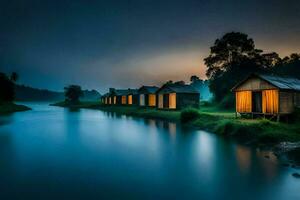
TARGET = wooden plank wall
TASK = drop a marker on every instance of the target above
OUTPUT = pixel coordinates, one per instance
(255, 84)
(286, 104)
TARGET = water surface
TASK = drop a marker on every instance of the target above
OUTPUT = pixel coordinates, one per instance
(56, 153)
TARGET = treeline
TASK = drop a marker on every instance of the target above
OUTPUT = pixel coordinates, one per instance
(234, 56)
(7, 87)
(10, 91)
(26, 93)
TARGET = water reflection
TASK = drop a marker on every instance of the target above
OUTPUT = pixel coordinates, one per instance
(6, 119)
(88, 153)
(243, 156)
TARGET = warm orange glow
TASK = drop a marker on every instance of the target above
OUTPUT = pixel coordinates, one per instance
(270, 101)
(142, 99)
(152, 100)
(172, 101)
(123, 100)
(109, 100)
(161, 101)
(130, 99)
(115, 100)
(243, 101)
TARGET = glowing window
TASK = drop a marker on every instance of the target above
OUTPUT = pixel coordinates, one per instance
(152, 100)
(270, 101)
(172, 101)
(115, 100)
(129, 99)
(123, 100)
(244, 101)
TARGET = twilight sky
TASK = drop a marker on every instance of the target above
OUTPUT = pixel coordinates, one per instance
(127, 43)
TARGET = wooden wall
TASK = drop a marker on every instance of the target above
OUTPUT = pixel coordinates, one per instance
(255, 84)
(286, 102)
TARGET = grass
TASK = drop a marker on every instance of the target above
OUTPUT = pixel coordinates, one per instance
(258, 131)
(213, 119)
(126, 110)
(6, 108)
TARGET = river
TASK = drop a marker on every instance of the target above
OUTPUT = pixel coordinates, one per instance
(57, 153)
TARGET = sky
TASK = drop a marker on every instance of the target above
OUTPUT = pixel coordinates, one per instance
(129, 43)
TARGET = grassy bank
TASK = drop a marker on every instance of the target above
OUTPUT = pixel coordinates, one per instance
(213, 119)
(6, 108)
(126, 110)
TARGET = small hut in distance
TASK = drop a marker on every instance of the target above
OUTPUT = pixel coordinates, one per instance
(177, 96)
(147, 96)
(132, 97)
(119, 96)
(267, 95)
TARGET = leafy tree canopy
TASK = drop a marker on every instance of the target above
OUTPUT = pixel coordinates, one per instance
(73, 93)
(231, 58)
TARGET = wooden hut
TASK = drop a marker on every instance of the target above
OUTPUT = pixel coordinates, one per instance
(147, 96)
(119, 96)
(177, 96)
(132, 97)
(105, 99)
(267, 95)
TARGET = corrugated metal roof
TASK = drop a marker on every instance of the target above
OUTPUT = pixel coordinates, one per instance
(282, 82)
(149, 89)
(132, 91)
(121, 92)
(178, 88)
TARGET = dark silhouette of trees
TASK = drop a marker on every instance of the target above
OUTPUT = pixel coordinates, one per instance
(231, 58)
(194, 78)
(14, 77)
(179, 83)
(289, 66)
(73, 93)
(7, 89)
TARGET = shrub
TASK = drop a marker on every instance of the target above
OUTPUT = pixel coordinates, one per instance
(189, 114)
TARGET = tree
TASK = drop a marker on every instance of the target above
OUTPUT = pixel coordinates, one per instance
(179, 83)
(7, 89)
(194, 78)
(289, 66)
(232, 48)
(231, 58)
(73, 93)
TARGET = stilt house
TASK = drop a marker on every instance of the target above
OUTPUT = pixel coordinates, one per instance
(267, 95)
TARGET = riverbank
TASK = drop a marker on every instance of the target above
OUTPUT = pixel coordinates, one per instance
(275, 136)
(213, 119)
(125, 110)
(7, 108)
